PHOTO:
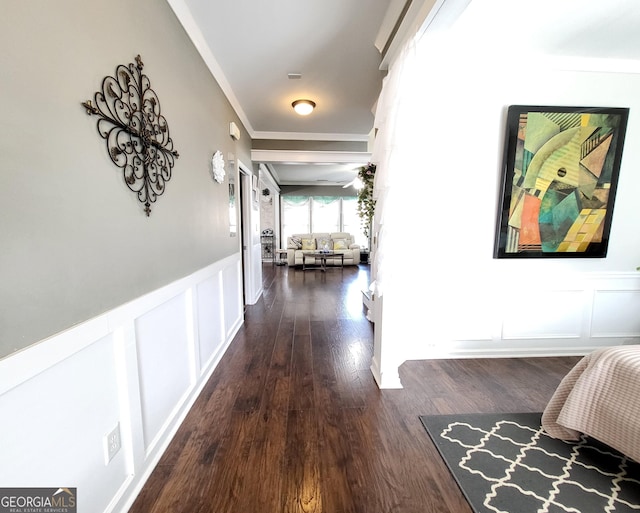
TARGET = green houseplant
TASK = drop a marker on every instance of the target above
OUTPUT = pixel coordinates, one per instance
(366, 203)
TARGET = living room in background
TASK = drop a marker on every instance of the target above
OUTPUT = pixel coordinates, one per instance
(326, 214)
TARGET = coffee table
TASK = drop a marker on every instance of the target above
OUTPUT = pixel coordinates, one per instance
(322, 256)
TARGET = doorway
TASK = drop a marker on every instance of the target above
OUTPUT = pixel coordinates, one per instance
(249, 237)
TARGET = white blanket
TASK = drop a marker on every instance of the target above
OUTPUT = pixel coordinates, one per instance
(600, 397)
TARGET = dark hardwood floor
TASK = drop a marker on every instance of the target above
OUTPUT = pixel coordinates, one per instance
(292, 420)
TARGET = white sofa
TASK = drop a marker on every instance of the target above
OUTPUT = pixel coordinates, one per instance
(339, 242)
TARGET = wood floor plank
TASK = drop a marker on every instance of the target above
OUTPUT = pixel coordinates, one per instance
(264, 483)
(254, 373)
(265, 477)
(280, 364)
(327, 394)
(229, 473)
(301, 490)
(302, 383)
(335, 455)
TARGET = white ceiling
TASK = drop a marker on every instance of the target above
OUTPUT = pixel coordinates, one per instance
(251, 46)
(330, 42)
(314, 173)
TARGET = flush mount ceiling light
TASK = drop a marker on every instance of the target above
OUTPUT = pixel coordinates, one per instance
(303, 107)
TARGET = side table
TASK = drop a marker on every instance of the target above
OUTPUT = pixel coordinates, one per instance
(281, 256)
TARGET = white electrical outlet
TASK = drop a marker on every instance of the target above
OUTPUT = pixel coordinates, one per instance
(112, 444)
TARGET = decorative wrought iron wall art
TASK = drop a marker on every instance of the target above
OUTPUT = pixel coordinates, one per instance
(137, 134)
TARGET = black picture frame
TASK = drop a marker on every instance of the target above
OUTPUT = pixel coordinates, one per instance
(559, 179)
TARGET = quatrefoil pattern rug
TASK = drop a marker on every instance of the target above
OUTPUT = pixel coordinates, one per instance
(506, 463)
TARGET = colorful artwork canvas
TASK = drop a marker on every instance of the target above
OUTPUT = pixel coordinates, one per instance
(559, 179)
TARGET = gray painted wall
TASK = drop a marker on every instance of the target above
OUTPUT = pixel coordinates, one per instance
(282, 144)
(317, 190)
(75, 240)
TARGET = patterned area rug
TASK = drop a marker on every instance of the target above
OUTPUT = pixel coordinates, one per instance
(506, 463)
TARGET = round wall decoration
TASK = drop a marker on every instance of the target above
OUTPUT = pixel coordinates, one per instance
(217, 167)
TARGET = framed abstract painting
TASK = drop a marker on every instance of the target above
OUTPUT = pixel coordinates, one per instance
(559, 177)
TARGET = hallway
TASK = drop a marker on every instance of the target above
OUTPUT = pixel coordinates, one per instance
(292, 420)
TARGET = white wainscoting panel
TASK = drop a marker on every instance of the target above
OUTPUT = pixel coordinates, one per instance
(231, 283)
(140, 366)
(210, 301)
(616, 313)
(164, 364)
(546, 314)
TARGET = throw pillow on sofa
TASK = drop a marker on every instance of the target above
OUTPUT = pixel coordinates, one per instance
(325, 244)
(340, 244)
(308, 244)
(294, 243)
